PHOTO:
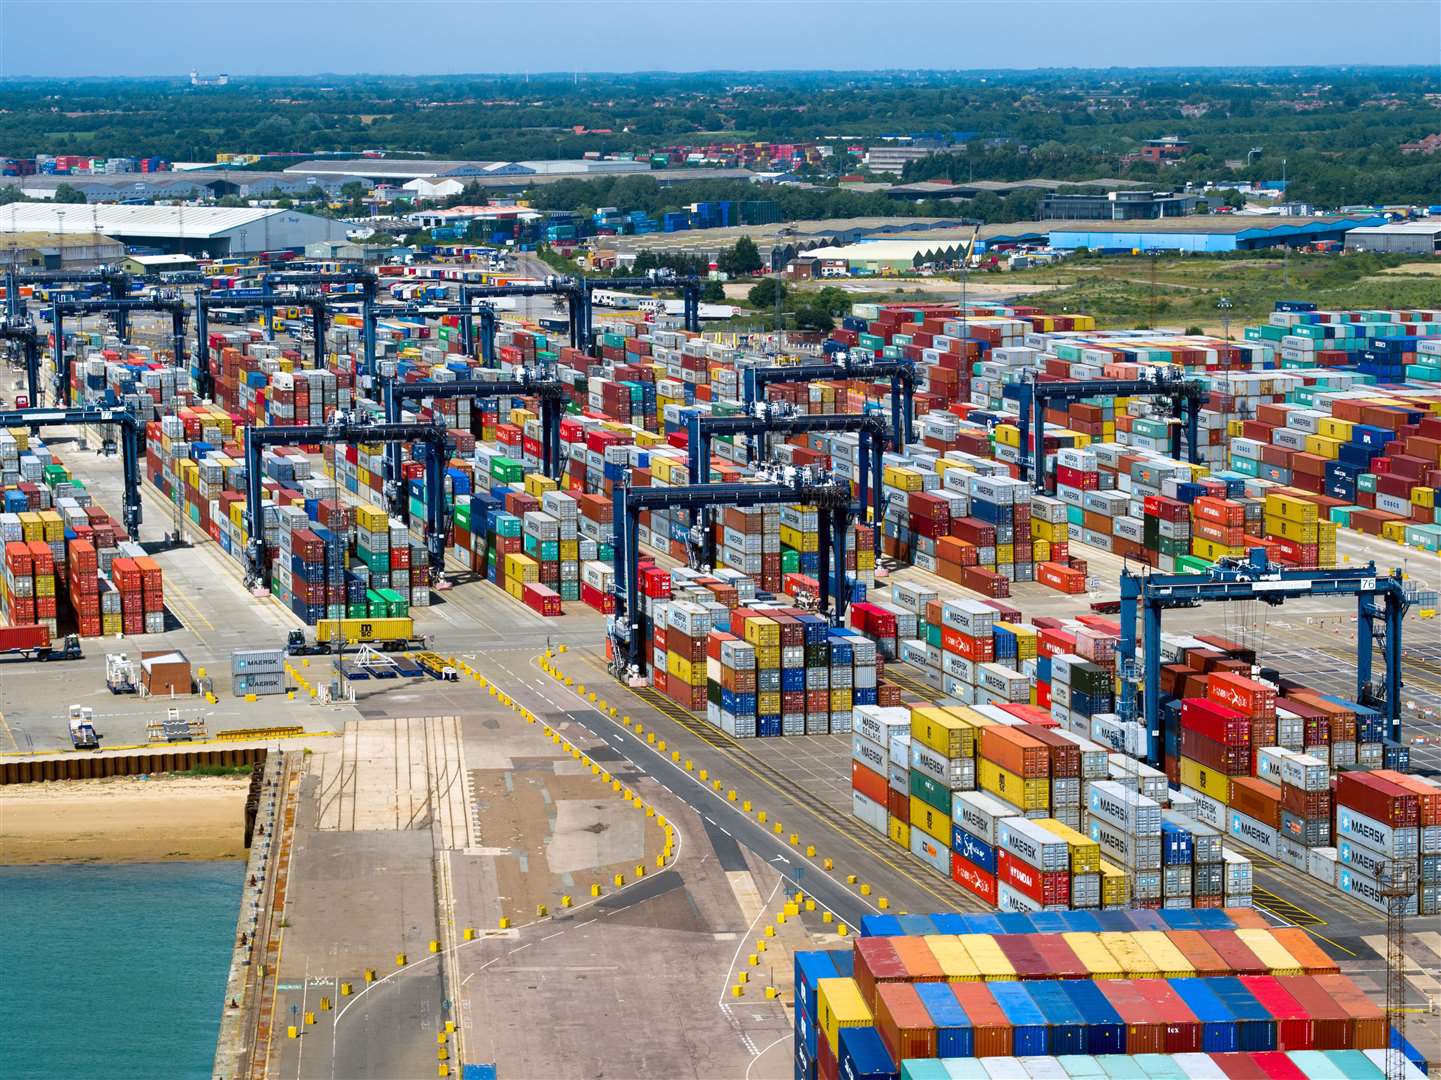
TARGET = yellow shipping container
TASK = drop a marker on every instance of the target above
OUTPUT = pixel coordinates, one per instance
(768, 702)
(537, 484)
(569, 550)
(1321, 446)
(678, 667)
(1005, 553)
(1115, 885)
(1164, 954)
(798, 540)
(1135, 964)
(1290, 507)
(934, 823)
(839, 1004)
(371, 518)
(956, 963)
(521, 568)
(989, 958)
(1085, 852)
(1211, 551)
(899, 832)
(1007, 435)
(31, 527)
(763, 632)
(948, 735)
(365, 630)
(1302, 532)
(1027, 794)
(901, 478)
(1270, 952)
(1025, 639)
(52, 526)
(1333, 428)
(1205, 780)
(1041, 550)
(1055, 532)
(1090, 951)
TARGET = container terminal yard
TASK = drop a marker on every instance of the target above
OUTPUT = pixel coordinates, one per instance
(968, 692)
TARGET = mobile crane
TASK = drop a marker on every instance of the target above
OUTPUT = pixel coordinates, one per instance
(1381, 603)
(23, 331)
(901, 373)
(528, 382)
(787, 485)
(780, 417)
(1033, 396)
(121, 309)
(343, 427)
(131, 436)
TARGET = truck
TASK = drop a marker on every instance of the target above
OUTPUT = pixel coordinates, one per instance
(396, 634)
(32, 641)
(83, 735)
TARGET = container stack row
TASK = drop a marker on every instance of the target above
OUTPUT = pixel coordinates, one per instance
(917, 994)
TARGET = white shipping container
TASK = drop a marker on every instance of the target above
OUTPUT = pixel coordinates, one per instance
(1041, 849)
(1247, 830)
(1376, 835)
(1206, 809)
(1134, 812)
(1321, 864)
(869, 753)
(950, 773)
(931, 852)
(1013, 900)
(981, 814)
(1367, 890)
(880, 722)
(869, 811)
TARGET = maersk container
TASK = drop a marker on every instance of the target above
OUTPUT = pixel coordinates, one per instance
(1368, 891)
(1403, 843)
(973, 849)
(1252, 833)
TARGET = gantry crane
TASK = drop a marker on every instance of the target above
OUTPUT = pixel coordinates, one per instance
(901, 373)
(115, 280)
(23, 331)
(319, 303)
(121, 309)
(802, 486)
(467, 313)
(131, 430)
(528, 382)
(1033, 396)
(344, 428)
(367, 281)
(779, 417)
(565, 288)
(688, 287)
(1381, 604)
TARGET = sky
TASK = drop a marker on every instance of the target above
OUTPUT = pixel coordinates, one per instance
(294, 37)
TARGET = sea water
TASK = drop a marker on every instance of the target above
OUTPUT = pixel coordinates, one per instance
(114, 971)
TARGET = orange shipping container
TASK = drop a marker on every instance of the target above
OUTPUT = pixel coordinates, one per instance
(1198, 953)
(1015, 751)
(1308, 954)
(904, 1022)
(868, 782)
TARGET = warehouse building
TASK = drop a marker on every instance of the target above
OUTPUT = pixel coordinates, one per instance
(1116, 206)
(185, 184)
(1398, 238)
(193, 230)
(891, 256)
(52, 251)
(1206, 233)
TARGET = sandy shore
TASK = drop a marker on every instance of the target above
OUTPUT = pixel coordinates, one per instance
(125, 819)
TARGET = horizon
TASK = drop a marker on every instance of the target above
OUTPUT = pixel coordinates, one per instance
(135, 38)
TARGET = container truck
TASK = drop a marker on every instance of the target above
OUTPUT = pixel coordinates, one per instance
(33, 643)
(388, 634)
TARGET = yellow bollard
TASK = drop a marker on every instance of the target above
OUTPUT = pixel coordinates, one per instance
(310, 1016)
(450, 1026)
(344, 989)
(772, 993)
(294, 1032)
(770, 931)
(580, 689)
(795, 839)
(703, 774)
(810, 905)
(541, 910)
(826, 864)
(595, 890)
(779, 828)
(761, 817)
(743, 976)
(675, 755)
(640, 869)
(442, 1054)
(737, 991)
(760, 945)
(650, 737)
(689, 765)
(400, 959)
(435, 946)
(440, 1038)
(810, 851)
(444, 1069)
(650, 811)
(661, 858)
(639, 728)
(469, 934)
(370, 975)
(560, 648)
(792, 909)
(660, 746)
(865, 889)
(841, 930)
(731, 795)
(746, 806)
(883, 903)
(851, 879)
(753, 960)
(619, 880)
(565, 901)
(826, 917)
(504, 923)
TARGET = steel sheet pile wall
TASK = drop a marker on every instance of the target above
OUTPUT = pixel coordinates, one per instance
(69, 566)
(1125, 993)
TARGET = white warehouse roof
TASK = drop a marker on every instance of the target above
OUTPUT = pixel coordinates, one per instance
(242, 229)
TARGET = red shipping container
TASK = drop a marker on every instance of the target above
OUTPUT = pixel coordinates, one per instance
(1246, 696)
(990, 1026)
(972, 878)
(876, 962)
(1378, 798)
(1183, 1029)
(1293, 1021)
(904, 1023)
(1330, 1023)
(1061, 960)
(1145, 1028)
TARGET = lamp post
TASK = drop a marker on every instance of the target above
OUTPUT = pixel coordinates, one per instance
(1224, 306)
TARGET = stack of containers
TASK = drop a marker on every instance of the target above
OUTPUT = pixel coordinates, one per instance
(880, 771)
(257, 671)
